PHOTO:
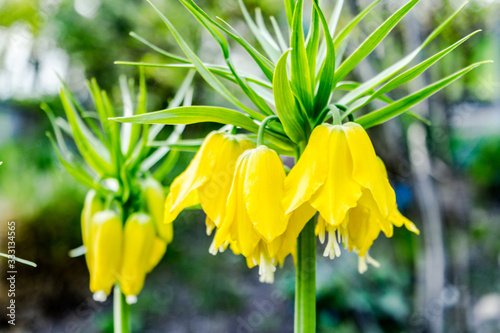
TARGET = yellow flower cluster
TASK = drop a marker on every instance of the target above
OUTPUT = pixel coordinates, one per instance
(259, 211)
(124, 253)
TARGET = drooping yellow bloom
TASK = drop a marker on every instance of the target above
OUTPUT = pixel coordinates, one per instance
(255, 222)
(92, 205)
(105, 246)
(138, 244)
(155, 202)
(340, 176)
(207, 180)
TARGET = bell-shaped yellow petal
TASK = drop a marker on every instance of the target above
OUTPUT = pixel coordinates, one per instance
(192, 178)
(214, 192)
(159, 249)
(310, 171)
(155, 202)
(93, 204)
(366, 170)
(105, 243)
(399, 220)
(339, 191)
(264, 191)
(207, 180)
(297, 221)
(242, 228)
(255, 221)
(138, 242)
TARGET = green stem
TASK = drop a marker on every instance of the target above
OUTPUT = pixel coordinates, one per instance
(305, 283)
(121, 312)
(262, 128)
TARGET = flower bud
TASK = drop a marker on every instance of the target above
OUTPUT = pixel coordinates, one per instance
(105, 247)
(155, 202)
(138, 243)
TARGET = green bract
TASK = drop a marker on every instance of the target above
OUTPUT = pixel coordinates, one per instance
(297, 78)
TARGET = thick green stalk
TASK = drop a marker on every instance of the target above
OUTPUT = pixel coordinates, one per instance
(305, 283)
(121, 312)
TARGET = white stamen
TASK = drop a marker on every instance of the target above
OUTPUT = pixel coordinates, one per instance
(255, 262)
(99, 296)
(364, 261)
(321, 236)
(131, 299)
(212, 250)
(266, 270)
(372, 261)
(362, 266)
(210, 228)
(332, 249)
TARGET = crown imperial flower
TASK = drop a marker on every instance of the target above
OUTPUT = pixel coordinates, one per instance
(138, 242)
(255, 217)
(207, 180)
(105, 252)
(340, 176)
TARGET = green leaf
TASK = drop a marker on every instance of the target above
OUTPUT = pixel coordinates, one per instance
(267, 43)
(312, 43)
(402, 105)
(348, 28)
(300, 78)
(160, 50)
(261, 25)
(395, 68)
(327, 73)
(204, 72)
(256, 100)
(333, 22)
(265, 65)
(199, 114)
(372, 41)
(220, 71)
(289, 8)
(286, 107)
(407, 76)
(192, 115)
(79, 174)
(90, 147)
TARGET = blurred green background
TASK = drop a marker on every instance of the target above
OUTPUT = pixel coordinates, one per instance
(446, 177)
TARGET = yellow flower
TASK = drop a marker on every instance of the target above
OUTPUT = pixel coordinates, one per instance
(255, 218)
(138, 243)
(105, 247)
(92, 205)
(340, 176)
(159, 249)
(155, 203)
(207, 180)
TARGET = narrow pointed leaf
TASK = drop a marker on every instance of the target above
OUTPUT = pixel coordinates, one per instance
(372, 41)
(389, 72)
(285, 103)
(265, 65)
(300, 78)
(91, 149)
(402, 105)
(351, 25)
(409, 75)
(204, 72)
(327, 73)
